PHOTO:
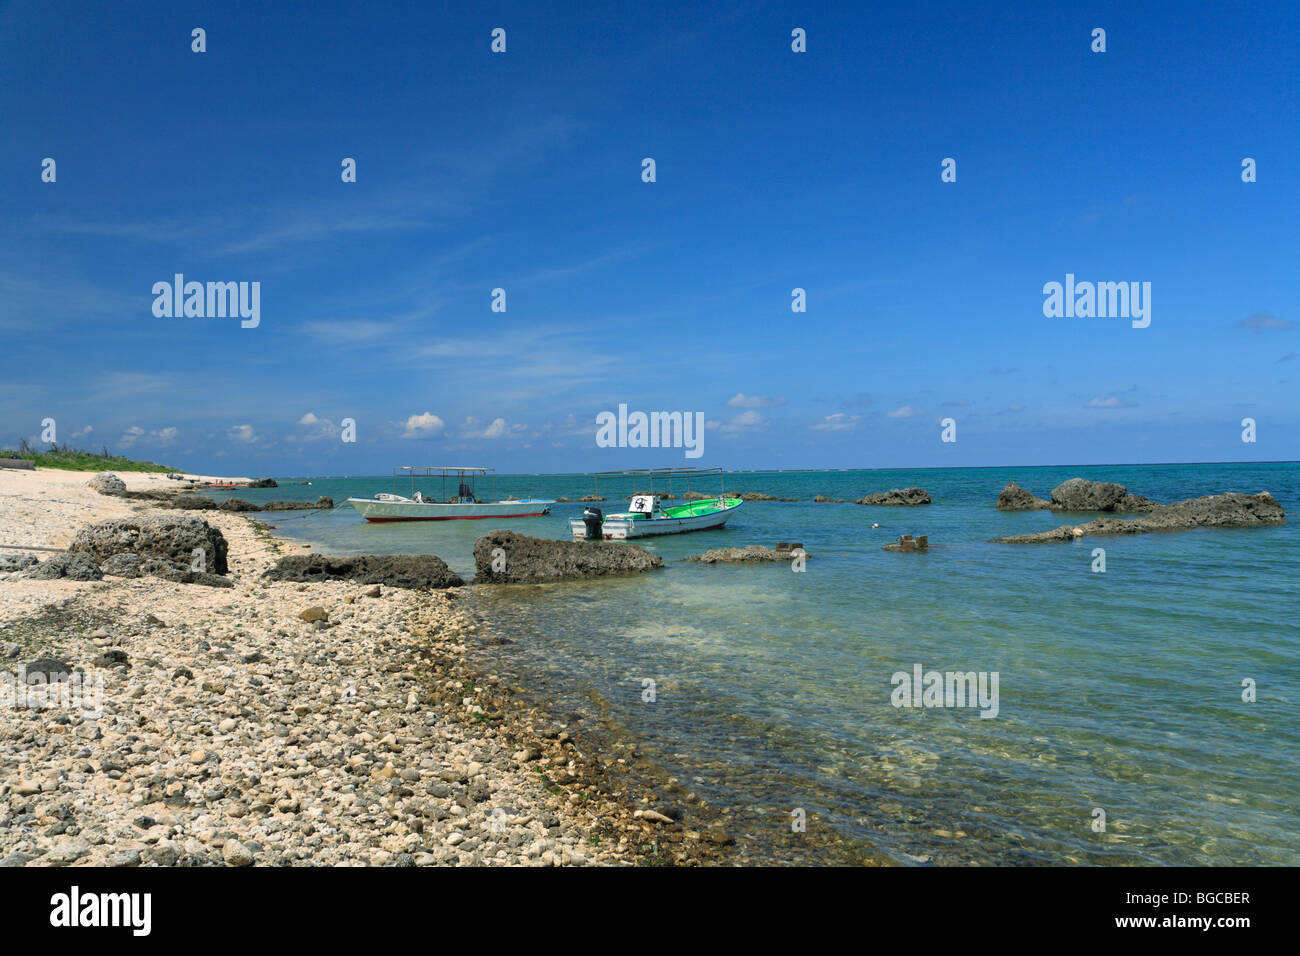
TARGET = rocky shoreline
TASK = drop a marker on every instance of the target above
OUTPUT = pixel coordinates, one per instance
(1228, 510)
(296, 722)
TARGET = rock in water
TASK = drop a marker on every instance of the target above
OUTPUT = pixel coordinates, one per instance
(107, 483)
(169, 538)
(1079, 494)
(322, 503)
(415, 571)
(237, 504)
(1015, 498)
(538, 559)
(750, 554)
(1229, 510)
(897, 497)
(1135, 504)
(263, 483)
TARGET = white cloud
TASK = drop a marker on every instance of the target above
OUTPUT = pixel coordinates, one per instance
(741, 422)
(741, 400)
(422, 426)
(836, 423)
(1112, 401)
(497, 428)
(314, 428)
(157, 436)
(242, 433)
(905, 411)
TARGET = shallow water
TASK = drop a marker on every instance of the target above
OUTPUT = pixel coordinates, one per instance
(1119, 691)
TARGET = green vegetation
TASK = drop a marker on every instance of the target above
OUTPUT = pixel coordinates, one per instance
(74, 459)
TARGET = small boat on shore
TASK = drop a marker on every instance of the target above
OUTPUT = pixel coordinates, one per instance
(417, 506)
(645, 515)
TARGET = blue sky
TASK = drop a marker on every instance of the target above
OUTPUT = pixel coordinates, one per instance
(775, 170)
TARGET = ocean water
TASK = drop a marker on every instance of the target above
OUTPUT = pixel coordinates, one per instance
(1118, 692)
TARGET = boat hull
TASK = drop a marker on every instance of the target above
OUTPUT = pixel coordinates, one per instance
(387, 511)
(617, 527)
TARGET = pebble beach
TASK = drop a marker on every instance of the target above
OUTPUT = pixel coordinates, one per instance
(280, 723)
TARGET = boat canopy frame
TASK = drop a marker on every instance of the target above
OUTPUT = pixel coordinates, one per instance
(459, 472)
(669, 473)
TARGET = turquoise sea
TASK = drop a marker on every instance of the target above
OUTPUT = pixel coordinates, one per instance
(1119, 692)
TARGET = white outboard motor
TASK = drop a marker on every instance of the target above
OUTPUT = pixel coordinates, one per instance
(592, 518)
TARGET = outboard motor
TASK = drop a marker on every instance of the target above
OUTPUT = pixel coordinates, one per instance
(592, 518)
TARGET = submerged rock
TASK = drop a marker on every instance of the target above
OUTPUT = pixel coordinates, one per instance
(169, 538)
(750, 554)
(899, 497)
(414, 571)
(1231, 510)
(1015, 498)
(539, 559)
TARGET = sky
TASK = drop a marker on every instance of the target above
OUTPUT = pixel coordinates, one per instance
(774, 170)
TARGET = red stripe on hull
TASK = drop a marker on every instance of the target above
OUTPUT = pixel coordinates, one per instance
(535, 514)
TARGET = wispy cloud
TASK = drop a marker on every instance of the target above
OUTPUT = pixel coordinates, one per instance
(745, 421)
(497, 428)
(137, 435)
(741, 400)
(837, 422)
(905, 411)
(1265, 322)
(311, 427)
(1113, 401)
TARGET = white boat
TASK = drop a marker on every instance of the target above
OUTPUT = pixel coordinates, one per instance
(646, 516)
(464, 504)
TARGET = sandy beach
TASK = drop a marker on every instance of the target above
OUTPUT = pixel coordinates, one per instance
(233, 732)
